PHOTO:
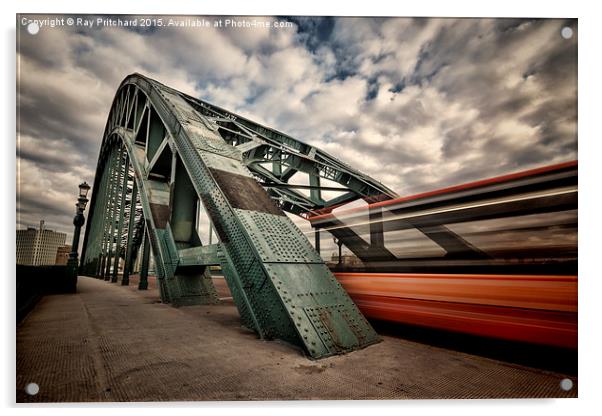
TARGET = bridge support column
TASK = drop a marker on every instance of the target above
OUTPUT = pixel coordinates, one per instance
(113, 240)
(189, 285)
(91, 250)
(110, 218)
(125, 280)
(104, 213)
(121, 215)
(143, 284)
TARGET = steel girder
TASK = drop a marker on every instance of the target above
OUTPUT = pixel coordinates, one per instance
(286, 157)
(180, 161)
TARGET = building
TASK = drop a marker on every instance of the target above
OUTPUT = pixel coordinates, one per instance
(62, 254)
(38, 246)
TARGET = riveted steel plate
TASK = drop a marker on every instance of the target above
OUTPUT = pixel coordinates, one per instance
(277, 239)
(207, 140)
(232, 165)
(338, 329)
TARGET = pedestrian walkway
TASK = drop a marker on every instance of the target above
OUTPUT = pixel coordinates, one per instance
(114, 343)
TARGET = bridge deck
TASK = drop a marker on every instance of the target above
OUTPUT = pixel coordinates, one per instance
(115, 343)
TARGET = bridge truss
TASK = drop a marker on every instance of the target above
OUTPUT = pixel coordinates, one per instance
(168, 159)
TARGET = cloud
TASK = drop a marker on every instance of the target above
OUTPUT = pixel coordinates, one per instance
(416, 103)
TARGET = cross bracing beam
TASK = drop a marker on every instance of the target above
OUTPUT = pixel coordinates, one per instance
(280, 285)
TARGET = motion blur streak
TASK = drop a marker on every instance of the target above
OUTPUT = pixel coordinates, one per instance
(536, 309)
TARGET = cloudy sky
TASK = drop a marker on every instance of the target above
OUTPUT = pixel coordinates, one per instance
(418, 104)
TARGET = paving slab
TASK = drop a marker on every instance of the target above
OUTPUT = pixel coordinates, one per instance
(115, 343)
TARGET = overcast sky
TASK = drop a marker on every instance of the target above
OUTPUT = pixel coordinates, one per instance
(418, 104)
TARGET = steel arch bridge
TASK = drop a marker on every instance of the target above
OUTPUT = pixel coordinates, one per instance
(168, 159)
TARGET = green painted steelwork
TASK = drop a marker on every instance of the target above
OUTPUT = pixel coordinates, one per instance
(125, 280)
(123, 179)
(180, 158)
(201, 255)
(143, 285)
(275, 158)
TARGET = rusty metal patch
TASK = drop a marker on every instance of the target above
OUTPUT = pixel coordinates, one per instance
(160, 214)
(244, 192)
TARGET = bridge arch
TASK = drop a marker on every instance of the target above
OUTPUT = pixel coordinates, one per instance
(162, 161)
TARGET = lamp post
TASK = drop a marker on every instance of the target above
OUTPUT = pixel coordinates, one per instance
(78, 221)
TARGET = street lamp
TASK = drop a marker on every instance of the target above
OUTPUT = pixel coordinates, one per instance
(78, 221)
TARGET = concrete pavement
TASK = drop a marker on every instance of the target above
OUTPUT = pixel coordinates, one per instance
(115, 343)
